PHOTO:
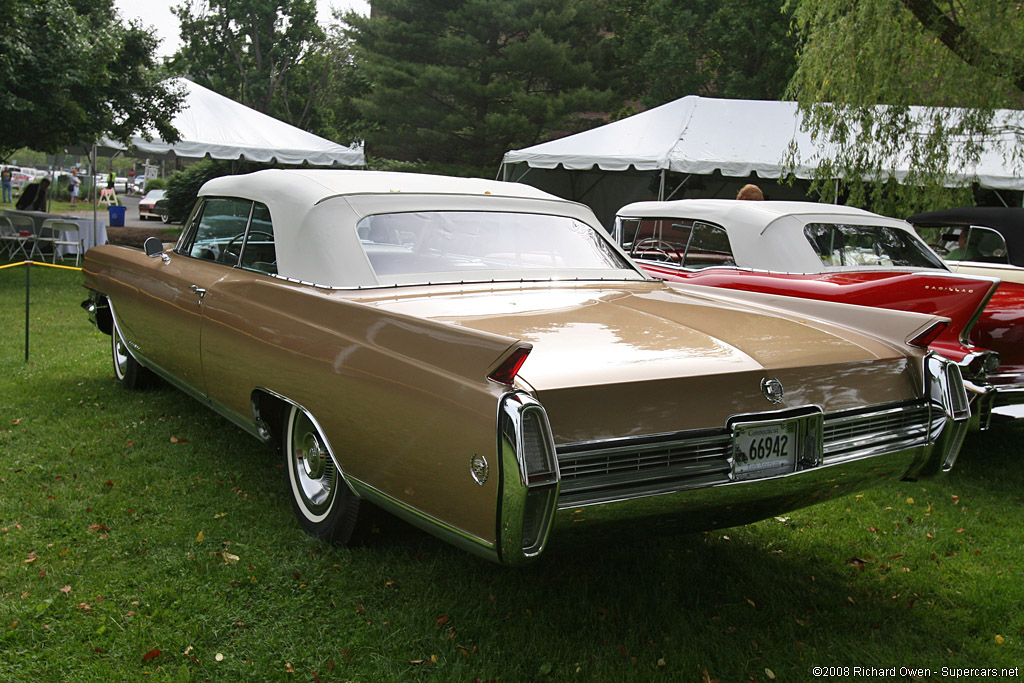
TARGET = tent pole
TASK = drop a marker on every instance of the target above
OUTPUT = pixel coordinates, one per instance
(92, 174)
(679, 186)
(835, 199)
(520, 178)
(661, 187)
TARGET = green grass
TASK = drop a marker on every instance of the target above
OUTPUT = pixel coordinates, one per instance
(121, 515)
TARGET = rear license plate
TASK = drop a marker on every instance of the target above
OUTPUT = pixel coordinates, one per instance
(764, 449)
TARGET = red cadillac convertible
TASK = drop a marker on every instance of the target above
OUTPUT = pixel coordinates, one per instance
(843, 254)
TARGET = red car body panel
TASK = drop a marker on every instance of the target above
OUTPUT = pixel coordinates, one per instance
(1000, 329)
(958, 298)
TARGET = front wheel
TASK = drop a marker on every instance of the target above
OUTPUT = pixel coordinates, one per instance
(323, 504)
(126, 369)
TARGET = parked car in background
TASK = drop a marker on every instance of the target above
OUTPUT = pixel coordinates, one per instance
(482, 360)
(992, 236)
(837, 253)
(22, 176)
(148, 205)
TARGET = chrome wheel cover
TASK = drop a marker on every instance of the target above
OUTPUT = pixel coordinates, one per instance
(120, 354)
(314, 476)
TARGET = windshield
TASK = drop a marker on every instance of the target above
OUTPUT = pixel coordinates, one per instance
(436, 246)
(869, 245)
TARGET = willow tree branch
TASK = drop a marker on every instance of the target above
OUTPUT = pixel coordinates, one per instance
(964, 45)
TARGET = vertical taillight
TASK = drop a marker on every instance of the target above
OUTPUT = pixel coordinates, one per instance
(529, 475)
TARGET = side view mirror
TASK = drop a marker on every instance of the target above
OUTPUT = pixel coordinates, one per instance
(153, 246)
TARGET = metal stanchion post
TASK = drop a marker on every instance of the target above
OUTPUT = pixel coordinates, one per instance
(28, 283)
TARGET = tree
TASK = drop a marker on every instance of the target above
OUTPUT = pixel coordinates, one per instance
(459, 82)
(865, 63)
(262, 53)
(738, 49)
(71, 71)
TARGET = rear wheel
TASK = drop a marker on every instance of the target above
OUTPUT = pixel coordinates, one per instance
(323, 504)
(126, 369)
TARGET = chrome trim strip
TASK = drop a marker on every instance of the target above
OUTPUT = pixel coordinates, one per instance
(446, 532)
(965, 332)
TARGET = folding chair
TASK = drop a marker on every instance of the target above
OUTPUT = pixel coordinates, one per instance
(64, 234)
(9, 238)
(25, 237)
(45, 237)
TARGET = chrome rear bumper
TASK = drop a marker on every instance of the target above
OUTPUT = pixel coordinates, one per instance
(688, 480)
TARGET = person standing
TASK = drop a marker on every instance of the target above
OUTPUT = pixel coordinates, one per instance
(75, 182)
(110, 179)
(6, 177)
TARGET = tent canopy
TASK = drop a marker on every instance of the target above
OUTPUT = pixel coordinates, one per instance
(736, 138)
(215, 126)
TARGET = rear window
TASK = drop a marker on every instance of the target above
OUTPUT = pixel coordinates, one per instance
(839, 244)
(434, 246)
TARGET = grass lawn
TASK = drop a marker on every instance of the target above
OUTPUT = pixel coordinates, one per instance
(145, 538)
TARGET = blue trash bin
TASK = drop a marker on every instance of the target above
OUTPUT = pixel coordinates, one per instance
(116, 216)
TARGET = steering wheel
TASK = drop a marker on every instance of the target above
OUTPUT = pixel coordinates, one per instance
(657, 245)
(229, 247)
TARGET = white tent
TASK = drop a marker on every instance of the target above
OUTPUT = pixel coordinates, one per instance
(701, 136)
(217, 127)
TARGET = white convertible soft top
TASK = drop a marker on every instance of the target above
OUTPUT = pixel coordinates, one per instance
(764, 235)
(315, 213)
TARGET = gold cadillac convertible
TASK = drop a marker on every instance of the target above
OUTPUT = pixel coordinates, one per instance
(480, 359)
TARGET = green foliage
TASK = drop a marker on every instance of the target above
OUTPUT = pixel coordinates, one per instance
(461, 82)
(270, 55)
(156, 184)
(859, 54)
(739, 49)
(122, 513)
(70, 71)
(183, 186)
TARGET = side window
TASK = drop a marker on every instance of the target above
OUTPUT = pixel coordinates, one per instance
(656, 239)
(259, 253)
(218, 229)
(709, 246)
(975, 243)
(689, 243)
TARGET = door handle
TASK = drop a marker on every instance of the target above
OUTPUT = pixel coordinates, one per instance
(198, 291)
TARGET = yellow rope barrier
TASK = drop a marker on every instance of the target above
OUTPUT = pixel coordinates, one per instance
(39, 263)
(28, 270)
